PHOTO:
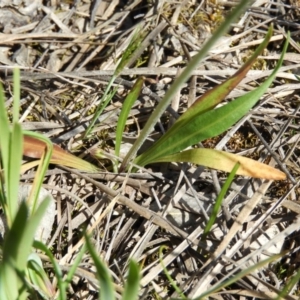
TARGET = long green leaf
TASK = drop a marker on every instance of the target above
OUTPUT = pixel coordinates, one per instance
(56, 268)
(38, 276)
(169, 277)
(11, 153)
(210, 124)
(238, 276)
(17, 246)
(218, 203)
(129, 101)
(108, 94)
(15, 161)
(106, 285)
(186, 73)
(131, 289)
(216, 95)
(26, 239)
(9, 268)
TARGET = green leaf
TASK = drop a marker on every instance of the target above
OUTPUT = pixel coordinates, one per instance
(129, 101)
(56, 268)
(16, 89)
(10, 146)
(107, 96)
(221, 285)
(169, 277)
(132, 284)
(15, 161)
(39, 277)
(209, 124)
(179, 81)
(216, 95)
(106, 284)
(218, 203)
(17, 246)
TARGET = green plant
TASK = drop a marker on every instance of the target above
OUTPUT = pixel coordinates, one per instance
(201, 121)
(21, 221)
(21, 269)
(109, 93)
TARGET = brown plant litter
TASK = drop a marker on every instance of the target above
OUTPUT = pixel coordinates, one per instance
(67, 52)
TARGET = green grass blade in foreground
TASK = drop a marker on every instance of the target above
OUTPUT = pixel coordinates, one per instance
(74, 266)
(56, 268)
(217, 206)
(17, 246)
(16, 89)
(4, 151)
(11, 153)
(15, 161)
(5, 133)
(184, 76)
(9, 269)
(210, 124)
(237, 277)
(105, 279)
(15, 153)
(128, 103)
(38, 277)
(170, 279)
(132, 284)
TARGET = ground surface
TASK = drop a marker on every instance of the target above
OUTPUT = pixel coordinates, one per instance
(67, 52)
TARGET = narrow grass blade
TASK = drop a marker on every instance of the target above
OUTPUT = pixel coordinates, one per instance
(170, 279)
(289, 286)
(5, 133)
(238, 276)
(132, 284)
(16, 89)
(106, 284)
(74, 266)
(210, 124)
(26, 239)
(186, 73)
(38, 276)
(218, 203)
(105, 99)
(34, 148)
(108, 94)
(129, 52)
(129, 101)
(225, 161)
(12, 182)
(58, 273)
(11, 153)
(9, 268)
(16, 249)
